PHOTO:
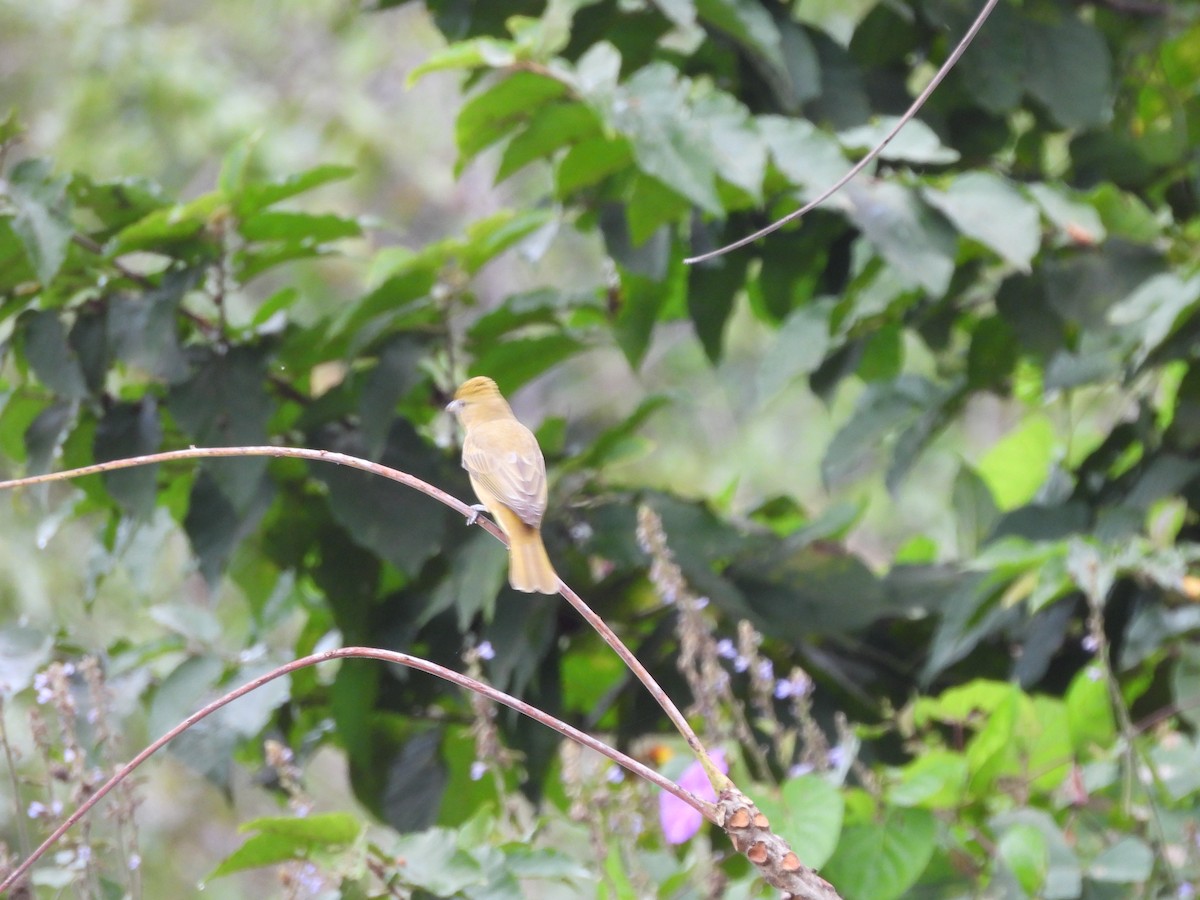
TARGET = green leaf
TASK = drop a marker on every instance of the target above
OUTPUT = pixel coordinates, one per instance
(712, 290)
(472, 54)
(24, 650)
(434, 862)
(42, 221)
(551, 128)
(1185, 683)
(975, 512)
(799, 347)
(164, 228)
(143, 331)
(1069, 70)
(283, 839)
(225, 404)
(513, 363)
(1156, 310)
(496, 111)
(1073, 215)
(935, 779)
(883, 354)
(258, 195)
(1129, 861)
(640, 302)
(130, 429)
(298, 227)
(653, 111)
(1064, 878)
(916, 142)
(749, 24)
(987, 208)
(807, 813)
(1018, 464)
(1022, 848)
(881, 860)
(917, 244)
(486, 239)
(50, 356)
(589, 162)
(807, 156)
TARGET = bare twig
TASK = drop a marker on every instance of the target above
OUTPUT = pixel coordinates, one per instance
(875, 151)
(708, 810)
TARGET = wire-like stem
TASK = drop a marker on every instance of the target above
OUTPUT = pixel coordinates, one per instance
(677, 718)
(708, 810)
(949, 64)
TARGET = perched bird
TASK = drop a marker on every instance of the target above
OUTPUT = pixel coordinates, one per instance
(508, 473)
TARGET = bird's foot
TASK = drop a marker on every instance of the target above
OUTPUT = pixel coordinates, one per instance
(476, 509)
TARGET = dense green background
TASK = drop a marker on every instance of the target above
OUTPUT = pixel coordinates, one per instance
(937, 442)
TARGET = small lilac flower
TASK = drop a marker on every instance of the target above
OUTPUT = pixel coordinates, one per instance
(135, 862)
(37, 809)
(486, 650)
(478, 769)
(615, 775)
(766, 670)
(784, 689)
(1186, 891)
(41, 684)
(679, 821)
(1090, 644)
(1094, 673)
(740, 664)
(800, 769)
(725, 649)
(701, 602)
(837, 757)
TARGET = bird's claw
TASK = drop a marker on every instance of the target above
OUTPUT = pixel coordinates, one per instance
(476, 509)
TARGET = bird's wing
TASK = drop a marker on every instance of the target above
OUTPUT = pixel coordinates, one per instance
(504, 457)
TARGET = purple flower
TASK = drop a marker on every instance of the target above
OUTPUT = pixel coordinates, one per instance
(679, 821)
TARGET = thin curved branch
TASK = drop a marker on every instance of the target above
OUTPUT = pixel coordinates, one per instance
(708, 810)
(875, 151)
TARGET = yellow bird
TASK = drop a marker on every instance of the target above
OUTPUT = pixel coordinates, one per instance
(508, 473)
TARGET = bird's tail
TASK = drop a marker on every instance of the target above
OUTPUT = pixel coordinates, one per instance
(529, 567)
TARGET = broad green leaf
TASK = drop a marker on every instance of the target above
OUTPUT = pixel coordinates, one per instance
(224, 403)
(42, 220)
(1090, 712)
(589, 162)
(1073, 215)
(46, 434)
(130, 429)
(882, 860)
(500, 108)
(166, 227)
(641, 300)
(807, 813)
(653, 110)
(258, 195)
(1064, 877)
(24, 650)
(1023, 850)
(935, 779)
(799, 347)
(282, 839)
(1018, 464)
(143, 331)
(750, 25)
(807, 156)
(1185, 683)
(916, 142)
(739, 152)
(917, 244)
(975, 511)
(513, 363)
(488, 238)
(1156, 310)
(553, 127)
(50, 356)
(1129, 861)
(712, 290)
(1069, 70)
(988, 209)
(471, 54)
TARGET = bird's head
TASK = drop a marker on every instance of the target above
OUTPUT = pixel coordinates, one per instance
(475, 394)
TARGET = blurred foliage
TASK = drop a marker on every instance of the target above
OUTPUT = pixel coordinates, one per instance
(999, 324)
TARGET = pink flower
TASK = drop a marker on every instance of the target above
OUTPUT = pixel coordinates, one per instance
(679, 821)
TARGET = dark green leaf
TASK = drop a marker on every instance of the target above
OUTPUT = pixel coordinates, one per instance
(917, 244)
(1068, 69)
(588, 162)
(256, 196)
(986, 208)
(712, 290)
(143, 331)
(42, 221)
(800, 346)
(50, 356)
(882, 410)
(215, 525)
(130, 429)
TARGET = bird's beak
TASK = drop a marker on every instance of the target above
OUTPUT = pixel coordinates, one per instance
(454, 406)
